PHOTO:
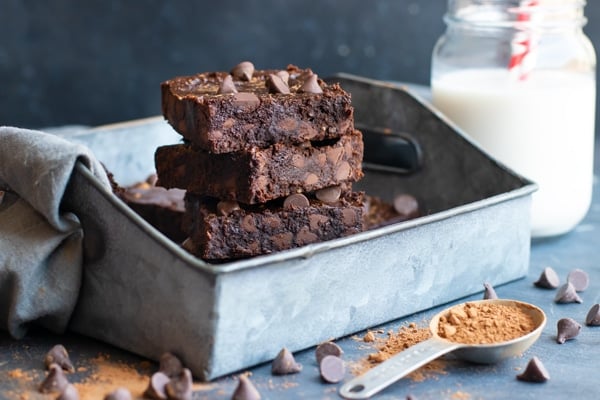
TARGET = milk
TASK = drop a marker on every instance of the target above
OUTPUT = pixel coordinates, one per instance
(542, 127)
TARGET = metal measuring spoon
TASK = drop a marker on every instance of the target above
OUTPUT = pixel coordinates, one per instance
(403, 363)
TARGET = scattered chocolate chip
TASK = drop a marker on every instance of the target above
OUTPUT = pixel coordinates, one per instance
(226, 207)
(567, 294)
(593, 316)
(327, 349)
(329, 194)
(296, 200)
(170, 365)
(406, 205)
(180, 386)
(332, 369)
(285, 364)
(59, 355)
(70, 393)
(55, 381)
(567, 329)
(227, 86)
(534, 372)
(284, 75)
(245, 390)
(243, 71)
(156, 386)
(489, 292)
(119, 394)
(246, 101)
(276, 85)
(548, 279)
(311, 85)
(579, 279)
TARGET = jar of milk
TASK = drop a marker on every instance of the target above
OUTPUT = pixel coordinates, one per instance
(518, 77)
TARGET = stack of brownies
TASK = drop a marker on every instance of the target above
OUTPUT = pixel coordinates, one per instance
(267, 162)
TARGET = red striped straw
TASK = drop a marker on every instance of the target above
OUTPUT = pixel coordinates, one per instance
(522, 46)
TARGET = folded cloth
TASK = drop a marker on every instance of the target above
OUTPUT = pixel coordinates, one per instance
(41, 252)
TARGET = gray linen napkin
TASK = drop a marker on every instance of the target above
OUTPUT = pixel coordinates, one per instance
(41, 251)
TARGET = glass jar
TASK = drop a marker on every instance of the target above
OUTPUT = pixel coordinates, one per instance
(518, 77)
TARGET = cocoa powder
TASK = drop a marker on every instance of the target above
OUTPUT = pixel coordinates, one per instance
(485, 323)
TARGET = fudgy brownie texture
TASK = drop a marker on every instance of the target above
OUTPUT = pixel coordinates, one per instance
(259, 112)
(227, 230)
(261, 174)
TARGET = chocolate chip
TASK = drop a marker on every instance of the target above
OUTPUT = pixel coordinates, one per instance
(285, 364)
(276, 85)
(332, 369)
(329, 194)
(59, 355)
(156, 386)
(226, 207)
(406, 205)
(245, 390)
(489, 292)
(548, 279)
(170, 365)
(327, 349)
(534, 372)
(296, 200)
(180, 387)
(70, 393)
(567, 294)
(227, 86)
(593, 316)
(55, 381)
(311, 85)
(119, 394)
(579, 278)
(567, 329)
(245, 101)
(243, 71)
(284, 75)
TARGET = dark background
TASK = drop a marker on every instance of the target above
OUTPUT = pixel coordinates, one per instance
(97, 62)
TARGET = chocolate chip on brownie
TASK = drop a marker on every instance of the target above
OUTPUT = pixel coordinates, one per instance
(227, 86)
(243, 71)
(276, 84)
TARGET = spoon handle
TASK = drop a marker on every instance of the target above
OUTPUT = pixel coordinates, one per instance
(394, 368)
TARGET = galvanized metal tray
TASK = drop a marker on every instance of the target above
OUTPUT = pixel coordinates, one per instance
(143, 293)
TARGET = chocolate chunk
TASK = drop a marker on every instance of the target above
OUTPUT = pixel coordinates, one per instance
(329, 194)
(296, 200)
(226, 207)
(311, 85)
(70, 393)
(119, 394)
(406, 205)
(227, 86)
(593, 316)
(327, 349)
(156, 386)
(245, 390)
(285, 363)
(284, 75)
(245, 101)
(548, 279)
(534, 372)
(275, 84)
(59, 355)
(180, 387)
(567, 329)
(567, 294)
(489, 292)
(579, 279)
(55, 381)
(332, 369)
(170, 365)
(243, 71)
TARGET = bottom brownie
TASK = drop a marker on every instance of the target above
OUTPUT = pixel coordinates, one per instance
(228, 230)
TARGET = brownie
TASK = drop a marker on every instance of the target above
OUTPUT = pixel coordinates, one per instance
(260, 113)
(228, 230)
(260, 175)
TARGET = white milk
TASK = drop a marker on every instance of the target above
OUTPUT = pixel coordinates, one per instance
(543, 128)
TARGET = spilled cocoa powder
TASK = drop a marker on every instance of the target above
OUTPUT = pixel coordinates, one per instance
(485, 323)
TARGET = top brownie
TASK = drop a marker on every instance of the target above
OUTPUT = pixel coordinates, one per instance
(221, 112)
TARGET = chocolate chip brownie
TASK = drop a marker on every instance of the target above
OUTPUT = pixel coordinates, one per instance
(222, 112)
(258, 175)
